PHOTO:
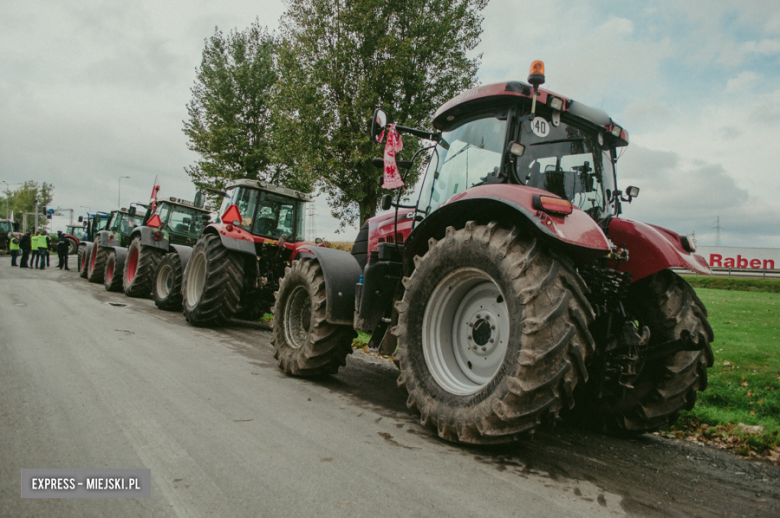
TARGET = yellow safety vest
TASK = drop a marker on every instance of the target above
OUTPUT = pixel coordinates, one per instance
(34, 244)
(12, 245)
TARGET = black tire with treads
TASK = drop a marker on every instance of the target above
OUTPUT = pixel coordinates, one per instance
(72, 246)
(112, 279)
(304, 343)
(548, 340)
(97, 262)
(167, 283)
(140, 267)
(669, 307)
(217, 300)
(82, 260)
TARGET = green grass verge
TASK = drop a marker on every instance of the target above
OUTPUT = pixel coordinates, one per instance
(732, 283)
(744, 383)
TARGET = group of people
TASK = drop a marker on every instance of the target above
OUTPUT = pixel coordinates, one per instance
(34, 248)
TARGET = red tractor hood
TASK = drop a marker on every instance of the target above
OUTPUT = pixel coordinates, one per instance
(652, 249)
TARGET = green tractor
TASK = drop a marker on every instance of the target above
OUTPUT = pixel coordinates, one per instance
(109, 247)
(164, 240)
(93, 224)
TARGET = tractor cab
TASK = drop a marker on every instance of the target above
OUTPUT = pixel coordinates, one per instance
(181, 221)
(121, 224)
(264, 210)
(94, 224)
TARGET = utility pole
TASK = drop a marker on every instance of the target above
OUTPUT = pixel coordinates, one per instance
(311, 229)
(717, 228)
(119, 193)
(7, 192)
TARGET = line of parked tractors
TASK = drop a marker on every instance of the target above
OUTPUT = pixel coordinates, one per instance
(509, 291)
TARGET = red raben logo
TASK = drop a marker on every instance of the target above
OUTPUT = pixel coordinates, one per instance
(717, 261)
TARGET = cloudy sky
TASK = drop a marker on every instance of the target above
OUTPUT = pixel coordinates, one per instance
(92, 90)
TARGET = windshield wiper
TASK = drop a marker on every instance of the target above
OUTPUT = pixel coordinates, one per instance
(578, 139)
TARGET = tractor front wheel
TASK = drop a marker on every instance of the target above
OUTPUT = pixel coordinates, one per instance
(667, 305)
(81, 264)
(212, 281)
(304, 343)
(167, 283)
(492, 334)
(140, 265)
(111, 280)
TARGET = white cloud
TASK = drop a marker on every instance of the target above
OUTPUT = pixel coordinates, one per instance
(742, 82)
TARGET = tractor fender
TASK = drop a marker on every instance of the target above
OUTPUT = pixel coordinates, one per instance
(184, 252)
(102, 238)
(652, 249)
(236, 239)
(147, 238)
(121, 255)
(342, 272)
(577, 235)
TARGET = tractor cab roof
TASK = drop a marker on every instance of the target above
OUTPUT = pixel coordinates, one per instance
(265, 186)
(501, 93)
(182, 203)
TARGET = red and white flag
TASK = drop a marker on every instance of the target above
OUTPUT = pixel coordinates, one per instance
(394, 144)
(155, 190)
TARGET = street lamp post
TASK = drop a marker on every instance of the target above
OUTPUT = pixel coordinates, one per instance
(119, 194)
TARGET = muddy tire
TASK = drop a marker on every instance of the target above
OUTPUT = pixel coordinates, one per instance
(81, 264)
(112, 279)
(167, 283)
(668, 305)
(492, 334)
(304, 343)
(140, 267)
(97, 263)
(211, 283)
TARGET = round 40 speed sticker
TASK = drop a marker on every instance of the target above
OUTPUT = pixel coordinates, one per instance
(540, 127)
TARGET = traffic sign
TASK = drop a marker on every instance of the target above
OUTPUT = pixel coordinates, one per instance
(51, 211)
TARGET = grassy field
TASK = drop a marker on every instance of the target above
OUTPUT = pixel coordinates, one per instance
(733, 283)
(744, 383)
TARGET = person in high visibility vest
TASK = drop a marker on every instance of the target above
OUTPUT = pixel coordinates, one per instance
(43, 248)
(13, 246)
(34, 244)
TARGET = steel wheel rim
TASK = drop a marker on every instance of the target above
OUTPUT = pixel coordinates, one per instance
(465, 331)
(196, 279)
(297, 317)
(164, 281)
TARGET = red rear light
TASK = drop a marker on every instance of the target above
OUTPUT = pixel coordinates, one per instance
(229, 227)
(157, 235)
(551, 204)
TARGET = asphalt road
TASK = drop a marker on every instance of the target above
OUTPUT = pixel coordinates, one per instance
(91, 379)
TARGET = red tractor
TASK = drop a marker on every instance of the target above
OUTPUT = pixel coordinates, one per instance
(235, 266)
(512, 288)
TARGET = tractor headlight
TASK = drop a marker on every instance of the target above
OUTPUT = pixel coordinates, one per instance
(556, 103)
(617, 130)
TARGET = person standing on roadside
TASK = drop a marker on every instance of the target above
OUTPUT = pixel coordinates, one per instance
(44, 244)
(13, 246)
(62, 250)
(25, 244)
(34, 244)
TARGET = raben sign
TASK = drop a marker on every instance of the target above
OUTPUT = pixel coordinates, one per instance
(740, 258)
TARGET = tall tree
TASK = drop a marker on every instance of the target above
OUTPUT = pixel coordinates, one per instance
(23, 199)
(229, 122)
(341, 59)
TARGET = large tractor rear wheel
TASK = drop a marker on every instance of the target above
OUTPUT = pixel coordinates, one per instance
(167, 283)
(492, 334)
(112, 280)
(72, 246)
(97, 262)
(140, 266)
(304, 343)
(212, 281)
(666, 304)
(81, 264)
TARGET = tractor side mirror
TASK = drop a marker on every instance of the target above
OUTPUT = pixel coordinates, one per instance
(516, 149)
(387, 201)
(632, 192)
(200, 200)
(378, 124)
(131, 211)
(81, 219)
